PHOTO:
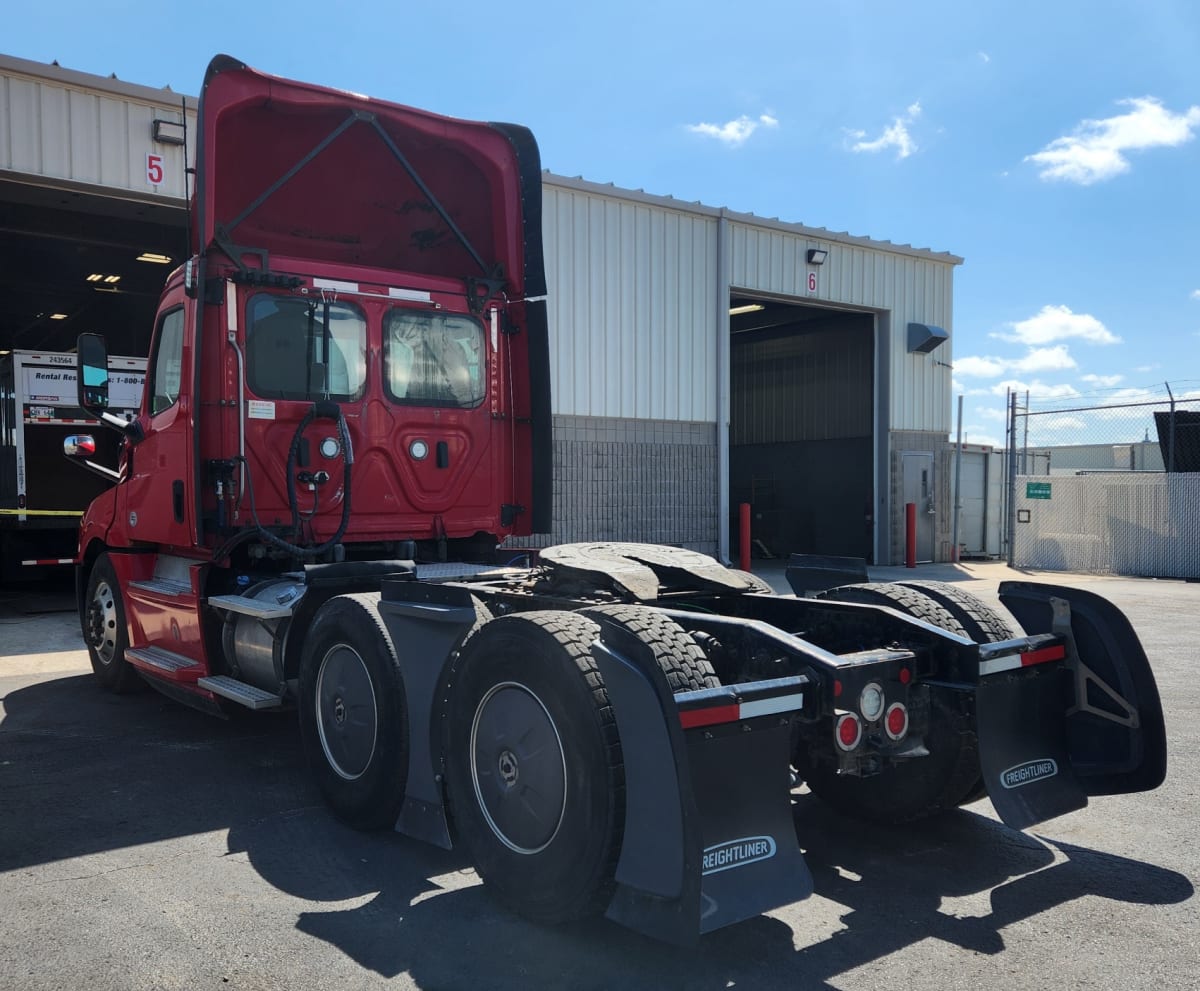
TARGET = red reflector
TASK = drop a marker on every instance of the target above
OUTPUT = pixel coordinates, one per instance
(691, 718)
(849, 731)
(897, 721)
(1055, 652)
(837, 689)
(905, 676)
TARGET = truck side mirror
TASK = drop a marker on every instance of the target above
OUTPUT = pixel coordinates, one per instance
(79, 446)
(92, 380)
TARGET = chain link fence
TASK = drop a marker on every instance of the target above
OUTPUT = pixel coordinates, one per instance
(1112, 488)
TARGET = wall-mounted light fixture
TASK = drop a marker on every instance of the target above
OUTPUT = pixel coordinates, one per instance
(747, 308)
(817, 256)
(154, 257)
(168, 132)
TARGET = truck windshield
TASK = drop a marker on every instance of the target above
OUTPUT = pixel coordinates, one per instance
(305, 349)
(433, 359)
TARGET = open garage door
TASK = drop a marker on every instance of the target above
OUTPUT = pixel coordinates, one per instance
(802, 433)
(74, 261)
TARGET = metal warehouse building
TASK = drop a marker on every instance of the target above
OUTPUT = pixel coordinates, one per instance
(701, 358)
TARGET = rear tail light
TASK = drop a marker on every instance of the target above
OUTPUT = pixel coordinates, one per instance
(895, 724)
(848, 731)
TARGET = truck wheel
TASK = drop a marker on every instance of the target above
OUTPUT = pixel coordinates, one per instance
(105, 632)
(353, 712)
(533, 765)
(923, 786)
(679, 657)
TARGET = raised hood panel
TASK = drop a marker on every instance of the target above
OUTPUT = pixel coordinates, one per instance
(305, 172)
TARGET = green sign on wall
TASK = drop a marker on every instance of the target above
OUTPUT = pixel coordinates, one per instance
(1037, 490)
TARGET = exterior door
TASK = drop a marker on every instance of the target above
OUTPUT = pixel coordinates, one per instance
(917, 486)
(154, 498)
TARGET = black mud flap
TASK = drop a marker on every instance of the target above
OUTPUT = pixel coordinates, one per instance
(1023, 754)
(709, 838)
(1114, 732)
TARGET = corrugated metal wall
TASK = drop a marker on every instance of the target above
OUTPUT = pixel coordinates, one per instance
(632, 307)
(906, 287)
(56, 129)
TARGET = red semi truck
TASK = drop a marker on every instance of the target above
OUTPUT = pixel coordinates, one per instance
(348, 390)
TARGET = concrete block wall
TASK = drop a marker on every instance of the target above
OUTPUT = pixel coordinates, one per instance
(651, 481)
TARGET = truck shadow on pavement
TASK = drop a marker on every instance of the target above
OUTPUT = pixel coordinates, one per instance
(86, 773)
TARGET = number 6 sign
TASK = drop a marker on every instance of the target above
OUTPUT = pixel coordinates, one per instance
(154, 169)
(812, 282)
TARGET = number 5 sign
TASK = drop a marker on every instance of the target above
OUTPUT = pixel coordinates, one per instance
(154, 169)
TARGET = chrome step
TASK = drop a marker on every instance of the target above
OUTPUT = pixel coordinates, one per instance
(240, 692)
(163, 586)
(247, 606)
(166, 661)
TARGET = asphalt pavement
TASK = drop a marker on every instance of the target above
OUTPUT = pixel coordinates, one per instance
(144, 845)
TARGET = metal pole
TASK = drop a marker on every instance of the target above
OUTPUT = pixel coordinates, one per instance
(1171, 432)
(1012, 478)
(1025, 445)
(957, 486)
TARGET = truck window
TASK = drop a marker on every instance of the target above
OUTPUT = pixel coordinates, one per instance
(433, 359)
(168, 354)
(285, 349)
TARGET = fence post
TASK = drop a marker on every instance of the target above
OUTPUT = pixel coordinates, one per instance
(1012, 478)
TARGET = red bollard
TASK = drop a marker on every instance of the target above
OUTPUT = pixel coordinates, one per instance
(744, 536)
(910, 535)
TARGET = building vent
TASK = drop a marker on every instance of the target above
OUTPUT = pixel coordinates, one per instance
(923, 338)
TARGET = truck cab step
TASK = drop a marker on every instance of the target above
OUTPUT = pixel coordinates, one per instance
(250, 696)
(163, 586)
(163, 663)
(257, 608)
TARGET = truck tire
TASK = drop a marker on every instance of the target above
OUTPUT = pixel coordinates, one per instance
(105, 631)
(756, 584)
(981, 623)
(354, 712)
(534, 774)
(923, 786)
(679, 657)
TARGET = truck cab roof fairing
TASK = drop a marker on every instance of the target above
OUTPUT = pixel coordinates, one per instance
(305, 172)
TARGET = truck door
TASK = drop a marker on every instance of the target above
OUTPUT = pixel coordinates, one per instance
(154, 502)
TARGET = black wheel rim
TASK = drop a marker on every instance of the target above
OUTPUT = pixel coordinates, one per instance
(518, 768)
(102, 623)
(347, 719)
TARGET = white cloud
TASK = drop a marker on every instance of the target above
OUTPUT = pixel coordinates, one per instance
(992, 413)
(734, 133)
(1053, 359)
(1143, 369)
(1102, 381)
(980, 367)
(894, 136)
(984, 57)
(1196, 294)
(1094, 151)
(1036, 389)
(1057, 323)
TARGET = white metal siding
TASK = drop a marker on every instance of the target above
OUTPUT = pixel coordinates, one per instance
(911, 288)
(631, 307)
(51, 129)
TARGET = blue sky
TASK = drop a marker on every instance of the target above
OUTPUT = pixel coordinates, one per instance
(1054, 145)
